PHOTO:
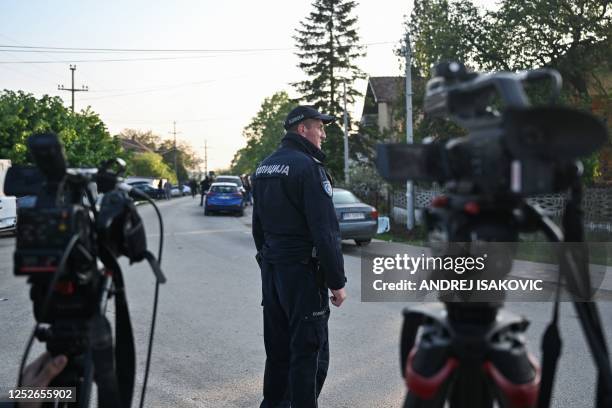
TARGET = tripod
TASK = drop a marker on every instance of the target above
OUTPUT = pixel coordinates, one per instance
(469, 355)
(473, 354)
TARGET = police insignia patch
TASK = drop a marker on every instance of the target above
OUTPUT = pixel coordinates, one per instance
(327, 186)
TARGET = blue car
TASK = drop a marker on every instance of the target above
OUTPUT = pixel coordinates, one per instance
(224, 197)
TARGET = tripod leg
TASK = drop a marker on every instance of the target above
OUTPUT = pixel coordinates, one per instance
(515, 379)
(414, 401)
(427, 387)
(471, 389)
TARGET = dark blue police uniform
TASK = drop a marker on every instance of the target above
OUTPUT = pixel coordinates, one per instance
(298, 242)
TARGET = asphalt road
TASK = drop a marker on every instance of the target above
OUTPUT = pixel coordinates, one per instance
(208, 349)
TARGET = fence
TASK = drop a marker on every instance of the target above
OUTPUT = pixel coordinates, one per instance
(597, 205)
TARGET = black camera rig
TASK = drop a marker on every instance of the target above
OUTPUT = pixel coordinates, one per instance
(473, 354)
(68, 249)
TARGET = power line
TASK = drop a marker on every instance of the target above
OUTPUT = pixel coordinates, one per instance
(118, 59)
(42, 51)
(46, 71)
(197, 50)
(128, 92)
(31, 47)
(147, 121)
(220, 53)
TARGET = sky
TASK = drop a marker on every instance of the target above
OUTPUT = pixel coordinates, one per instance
(210, 95)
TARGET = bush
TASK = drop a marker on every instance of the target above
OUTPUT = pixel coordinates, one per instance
(366, 183)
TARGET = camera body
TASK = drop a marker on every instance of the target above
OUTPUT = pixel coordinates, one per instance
(512, 148)
(56, 246)
(43, 236)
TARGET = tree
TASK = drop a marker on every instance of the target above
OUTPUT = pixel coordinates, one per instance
(575, 39)
(432, 30)
(263, 134)
(328, 46)
(85, 137)
(186, 158)
(150, 164)
(88, 142)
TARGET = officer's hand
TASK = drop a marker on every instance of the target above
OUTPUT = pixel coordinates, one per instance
(338, 296)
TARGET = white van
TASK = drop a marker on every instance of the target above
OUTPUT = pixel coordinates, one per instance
(8, 204)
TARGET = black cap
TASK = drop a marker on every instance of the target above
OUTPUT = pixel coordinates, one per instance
(304, 112)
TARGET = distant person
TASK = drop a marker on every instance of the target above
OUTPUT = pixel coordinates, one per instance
(160, 185)
(204, 186)
(194, 188)
(246, 183)
(168, 190)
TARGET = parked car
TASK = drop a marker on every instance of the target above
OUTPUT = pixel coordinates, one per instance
(224, 197)
(8, 213)
(358, 221)
(179, 191)
(175, 192)
(231, 179)
(8, 204)
(148, 189)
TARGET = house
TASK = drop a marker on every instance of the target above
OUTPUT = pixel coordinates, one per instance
(133, 145)
(382, 99)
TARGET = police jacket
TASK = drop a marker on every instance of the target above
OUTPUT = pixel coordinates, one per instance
(293, 214)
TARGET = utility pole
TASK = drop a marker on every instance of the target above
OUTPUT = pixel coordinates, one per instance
(205, 158)
(346, 152)
(72, 88)
(175, 151)
(409, 136)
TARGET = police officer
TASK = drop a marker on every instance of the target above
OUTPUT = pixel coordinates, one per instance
(299, 252)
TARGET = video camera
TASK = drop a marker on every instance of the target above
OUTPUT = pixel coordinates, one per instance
(508, 141)
(473, 354)
(67, 245)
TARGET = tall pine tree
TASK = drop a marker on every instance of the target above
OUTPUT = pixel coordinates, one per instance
(328, 46)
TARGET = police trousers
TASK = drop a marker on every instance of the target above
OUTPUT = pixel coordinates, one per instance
(296, 312)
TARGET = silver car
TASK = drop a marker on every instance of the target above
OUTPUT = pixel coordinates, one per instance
(358, 221)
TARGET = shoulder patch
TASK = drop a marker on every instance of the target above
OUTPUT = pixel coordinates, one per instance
(325, 183)
(273, 169)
